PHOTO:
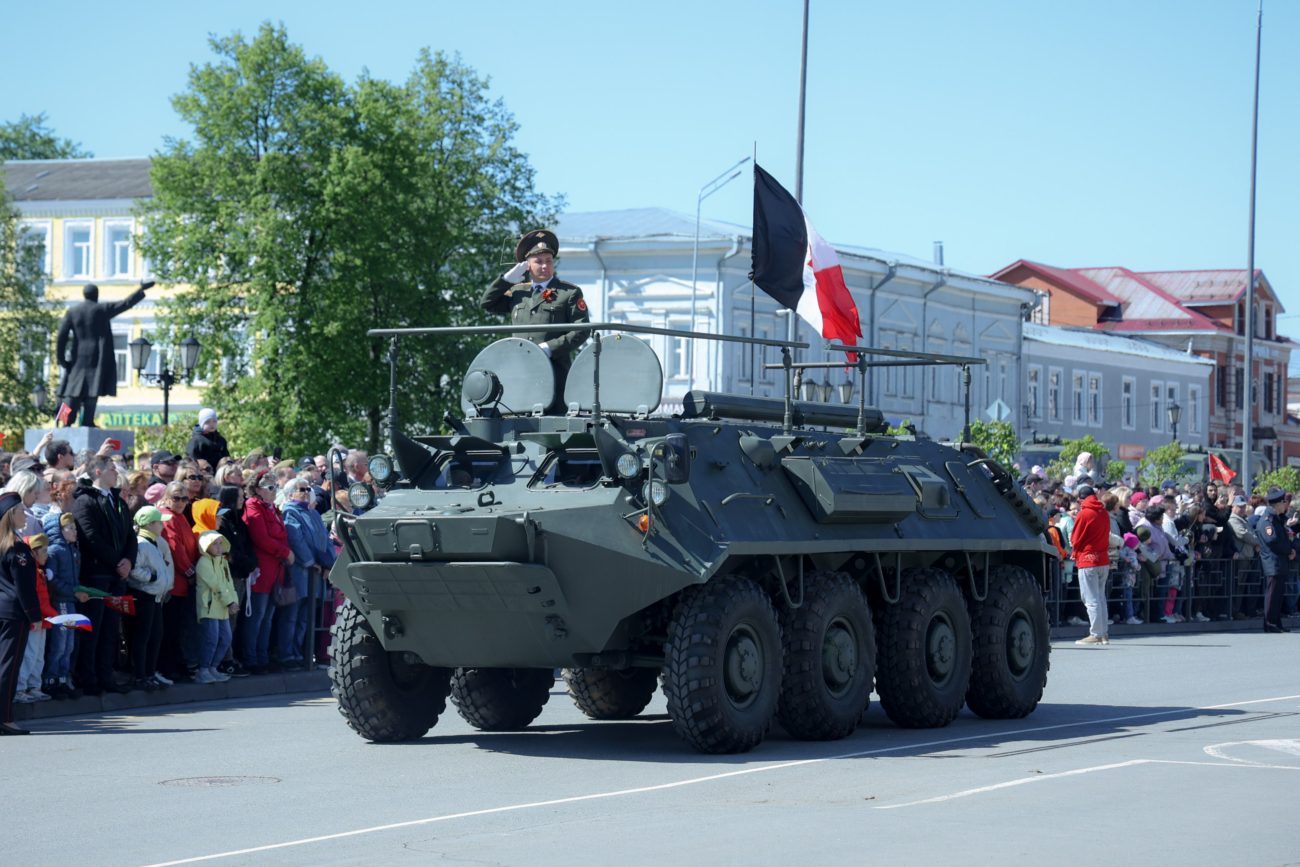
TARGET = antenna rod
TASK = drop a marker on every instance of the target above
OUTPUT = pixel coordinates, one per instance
(1248, 420)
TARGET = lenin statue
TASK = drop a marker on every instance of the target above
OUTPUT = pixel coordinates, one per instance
(89, 368)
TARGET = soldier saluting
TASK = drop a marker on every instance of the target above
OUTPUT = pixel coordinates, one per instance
(530, 293)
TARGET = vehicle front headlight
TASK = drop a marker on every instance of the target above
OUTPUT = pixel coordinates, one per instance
(656, 490)
(628, 465)
(360, 496)
(381, 469)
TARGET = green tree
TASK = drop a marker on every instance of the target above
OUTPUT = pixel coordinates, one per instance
(307, 211)
(1070, 451)
(1164, 464)
(1286, 478)
(997, 439)
(25, 321)
(28, 138)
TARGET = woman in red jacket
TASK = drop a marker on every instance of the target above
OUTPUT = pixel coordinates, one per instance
(271, 544)
(1090, 540)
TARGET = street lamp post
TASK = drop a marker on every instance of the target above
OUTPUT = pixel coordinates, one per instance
(1175, 413)
(140, 350)
(39, 396)
(705, 191)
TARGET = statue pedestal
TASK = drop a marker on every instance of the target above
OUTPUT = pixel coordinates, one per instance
(81, 437)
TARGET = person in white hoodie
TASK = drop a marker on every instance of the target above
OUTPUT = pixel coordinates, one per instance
(150, 582)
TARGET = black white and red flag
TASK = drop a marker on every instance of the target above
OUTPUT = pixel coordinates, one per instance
(794, 265)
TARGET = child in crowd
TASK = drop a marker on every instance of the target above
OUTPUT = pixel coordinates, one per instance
(62, 574)
(149, 583)
(1127, 575)
(29, 675)
(217, 600)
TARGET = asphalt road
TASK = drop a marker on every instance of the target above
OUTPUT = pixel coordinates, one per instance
(1182, 750)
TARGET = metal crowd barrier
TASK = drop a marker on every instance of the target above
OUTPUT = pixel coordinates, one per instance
(1217, 588)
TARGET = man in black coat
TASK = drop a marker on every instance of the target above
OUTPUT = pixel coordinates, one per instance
(20, 607)
(90, 370)
(108, 551)
(206, 443)
(1275, 554)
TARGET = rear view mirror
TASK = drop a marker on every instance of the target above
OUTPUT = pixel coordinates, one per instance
(676, 459)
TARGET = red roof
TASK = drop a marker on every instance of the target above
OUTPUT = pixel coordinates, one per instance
(1073, 280)
(1149, 300)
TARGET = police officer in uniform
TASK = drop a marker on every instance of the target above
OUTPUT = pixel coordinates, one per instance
(20, 606)
(1275, 552)
(530, 293)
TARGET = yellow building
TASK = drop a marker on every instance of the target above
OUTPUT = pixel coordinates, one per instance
(82, 209)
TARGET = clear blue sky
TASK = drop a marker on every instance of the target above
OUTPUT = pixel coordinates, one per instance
(1075, 133)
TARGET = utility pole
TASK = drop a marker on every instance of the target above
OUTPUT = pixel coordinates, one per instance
(1248, 419)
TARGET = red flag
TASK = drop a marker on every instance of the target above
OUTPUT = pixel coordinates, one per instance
(65, 412)
(1219, 470)
(124, 604)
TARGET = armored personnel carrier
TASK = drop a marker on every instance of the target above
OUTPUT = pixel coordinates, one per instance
(759, 567)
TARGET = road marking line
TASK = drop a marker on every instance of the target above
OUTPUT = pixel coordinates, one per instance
(710, 778)
(1008, 785)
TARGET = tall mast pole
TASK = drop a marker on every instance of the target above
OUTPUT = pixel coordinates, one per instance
(793, 318)
(1248, 420)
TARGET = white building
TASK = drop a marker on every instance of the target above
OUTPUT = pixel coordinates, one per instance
(634, 266)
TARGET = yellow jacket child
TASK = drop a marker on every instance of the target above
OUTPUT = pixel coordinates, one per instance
(216, 587)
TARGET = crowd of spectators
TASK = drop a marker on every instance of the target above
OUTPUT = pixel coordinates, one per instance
(212, 557)
(1169, 546)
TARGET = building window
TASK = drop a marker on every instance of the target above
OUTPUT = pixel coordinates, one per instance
(1269, 391)
(39, 233)
(1171, 396)
(764, 374)
(1157, 417)
(1268, 323)
(906, 373)
(76, 250)
(1194, 408)
(1128, 399)
(118, 249)
(1054, 395)
(1076, 398)
(1221, 386)
(1035, 408)
(1094, 398)
(1241, 388)
(747, 353)
(1003, 379)
(1281, 397)
(677, 352)
(120, 356)
(1241, 319)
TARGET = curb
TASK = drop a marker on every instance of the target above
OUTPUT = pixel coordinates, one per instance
(1252, 625)
(316, 680)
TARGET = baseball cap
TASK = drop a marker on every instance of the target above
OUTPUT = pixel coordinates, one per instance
(1239, 500)
(306, 463)
(17, 465)
(1169, 484)
(162, 456)
(1137, 497)
(149, 514)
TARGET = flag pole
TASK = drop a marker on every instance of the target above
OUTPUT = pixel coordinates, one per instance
(753, 321)
(1248, 420)
(792, 319)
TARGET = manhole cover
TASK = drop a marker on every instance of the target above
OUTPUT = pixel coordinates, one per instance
(218, 781)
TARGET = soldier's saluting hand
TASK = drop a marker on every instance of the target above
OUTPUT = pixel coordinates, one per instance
(530, 293)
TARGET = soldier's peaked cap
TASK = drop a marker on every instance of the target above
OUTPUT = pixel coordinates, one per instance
(537, 241)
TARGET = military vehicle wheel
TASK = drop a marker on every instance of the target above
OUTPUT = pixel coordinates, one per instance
(1011, 646)
(722, 669)
(501, 699)
(830, 659)
(608, 694)
(924, 651)
(384, 695)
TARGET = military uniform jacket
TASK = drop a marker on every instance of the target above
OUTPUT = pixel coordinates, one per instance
(19, 599)
(92, 372)
(560, 303)
(1274, 543)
